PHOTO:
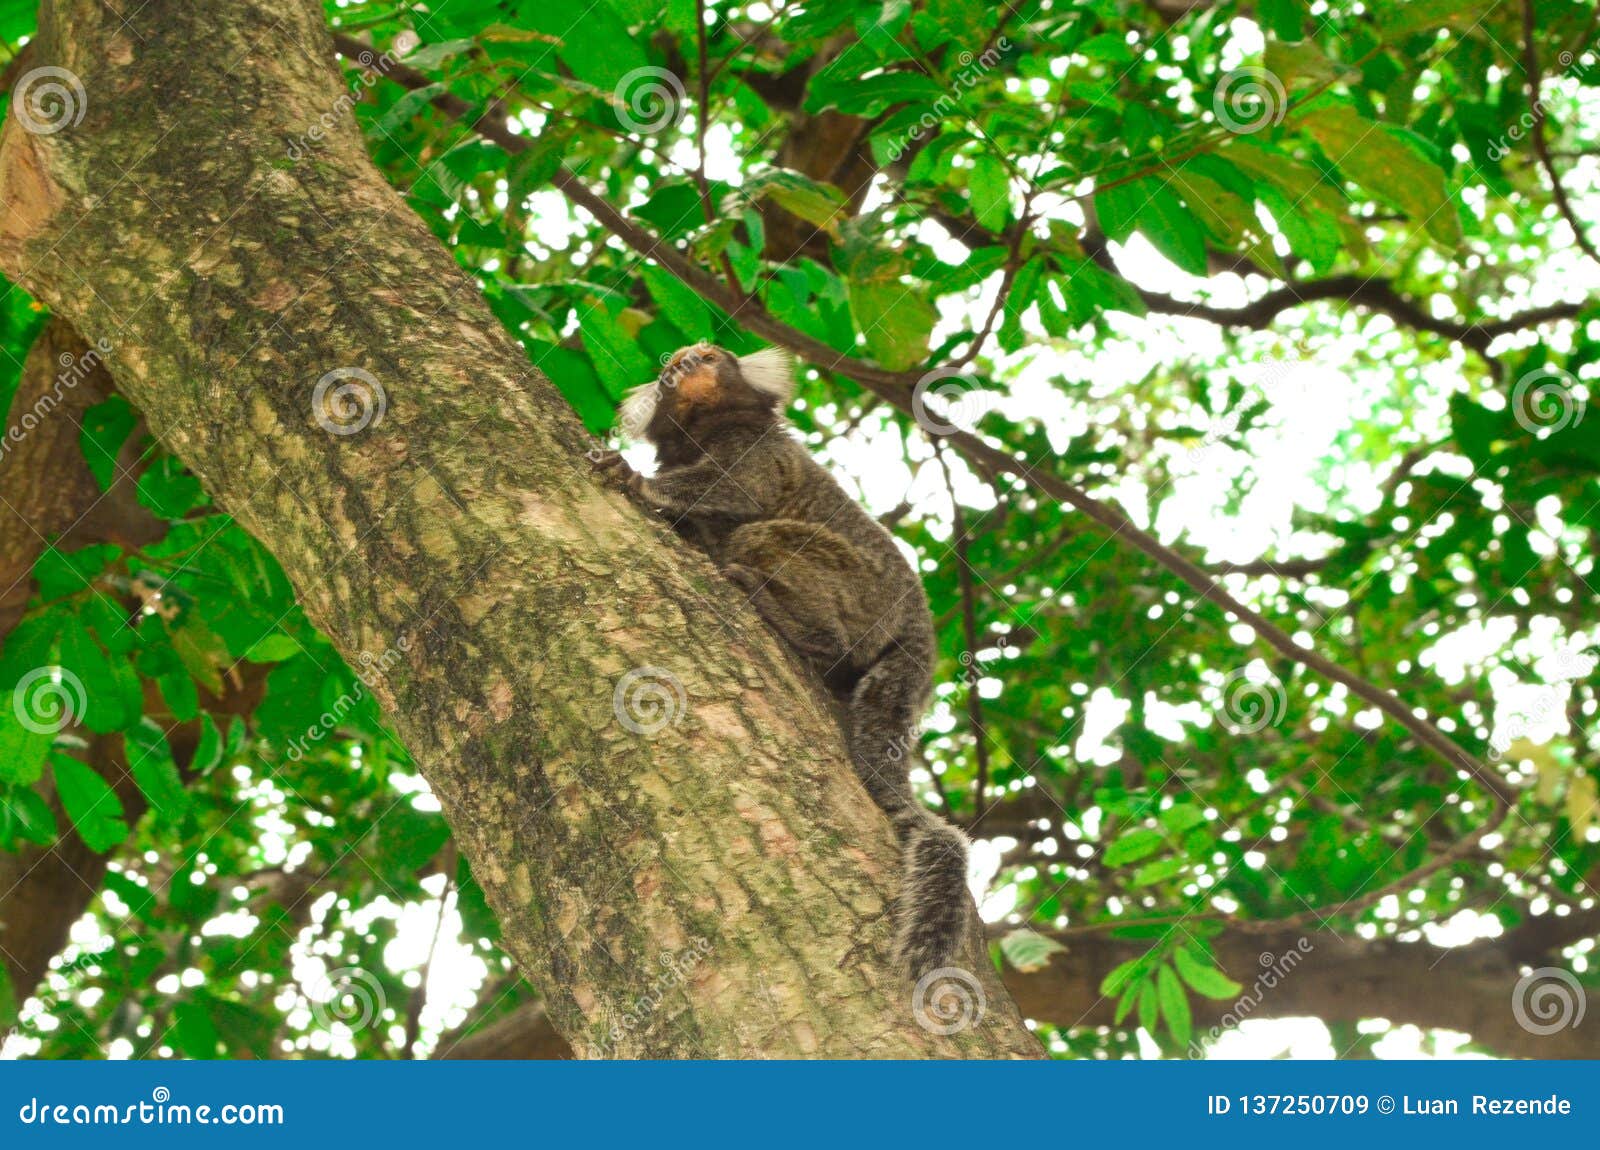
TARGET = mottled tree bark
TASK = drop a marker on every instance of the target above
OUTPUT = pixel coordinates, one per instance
(449, 531)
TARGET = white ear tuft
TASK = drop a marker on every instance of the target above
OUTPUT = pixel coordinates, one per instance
(638, 408)
(770, 371)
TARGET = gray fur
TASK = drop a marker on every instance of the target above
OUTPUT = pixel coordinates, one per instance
(830, 580)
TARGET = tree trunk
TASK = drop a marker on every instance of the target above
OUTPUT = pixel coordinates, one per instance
(656, 804)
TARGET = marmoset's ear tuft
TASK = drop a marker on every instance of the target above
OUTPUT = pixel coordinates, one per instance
(637, 410)
(771, 372)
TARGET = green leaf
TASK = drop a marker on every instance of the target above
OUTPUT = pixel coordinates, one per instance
(1203, 977)
(105, 427)
(872, 95)
(202, 651)
(816, 203)
(23, 749)
(1174, 1005)
(1283, 17)
(1124, 1004)
(1119, 976)
(1149, 1008)
(682, 307)
(615, 355)
(93, 806)
(151, 764)
(25, 815)
(890, 312)
(1159, 871)
(1028, 950)
(1119, 205)
(208, 749)
(87, 674)
(1133, 845)
(1398, 21)
(1393, 170)
(1174, 231)
(273, 649)
(193, 1032)
(989, 187)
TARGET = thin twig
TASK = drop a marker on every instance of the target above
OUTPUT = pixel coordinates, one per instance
(1541, 144)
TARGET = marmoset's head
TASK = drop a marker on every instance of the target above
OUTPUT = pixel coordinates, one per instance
(705, 380)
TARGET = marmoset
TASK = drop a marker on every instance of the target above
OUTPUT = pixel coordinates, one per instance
(826, 576)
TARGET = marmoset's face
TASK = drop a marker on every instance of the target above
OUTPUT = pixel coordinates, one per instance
(702, 378)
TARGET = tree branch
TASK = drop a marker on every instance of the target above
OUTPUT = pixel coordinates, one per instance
(897, 388)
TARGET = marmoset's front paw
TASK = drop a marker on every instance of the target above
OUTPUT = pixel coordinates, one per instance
(617, 469)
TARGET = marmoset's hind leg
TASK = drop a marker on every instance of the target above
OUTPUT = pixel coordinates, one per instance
(794, 574)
